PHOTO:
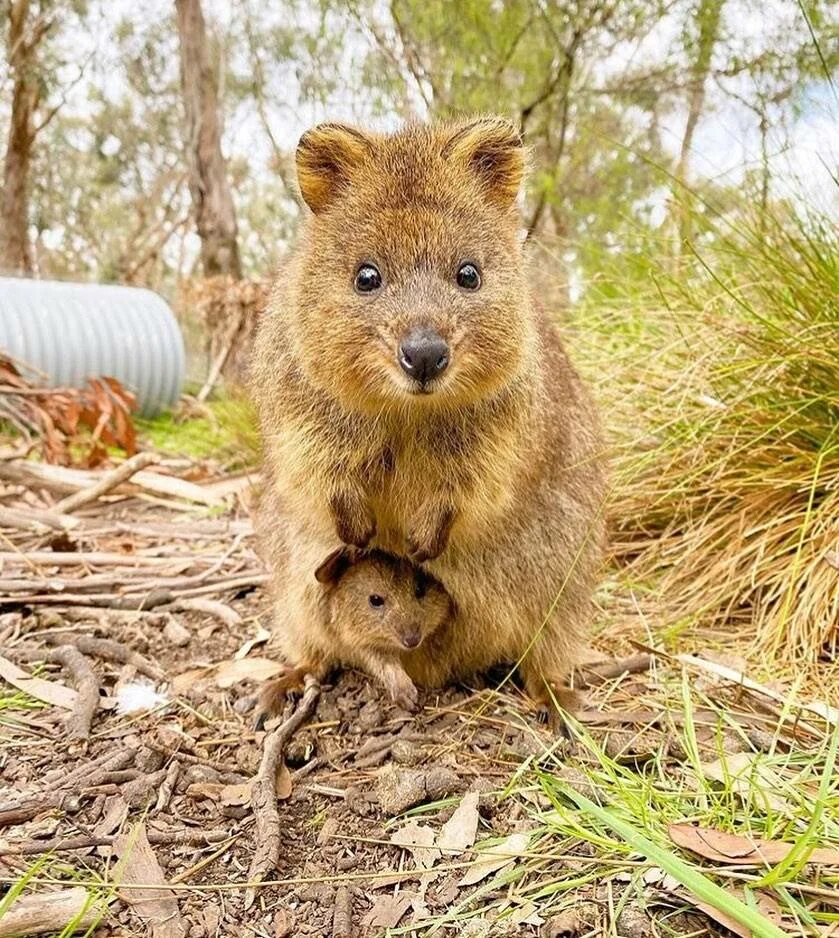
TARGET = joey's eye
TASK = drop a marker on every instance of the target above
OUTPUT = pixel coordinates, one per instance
(419, 589)
(468, 277)
(367, 279)
(376, 600)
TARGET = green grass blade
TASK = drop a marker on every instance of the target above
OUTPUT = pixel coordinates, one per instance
(699, 884)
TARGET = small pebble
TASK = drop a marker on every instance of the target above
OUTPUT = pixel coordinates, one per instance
(176, 634)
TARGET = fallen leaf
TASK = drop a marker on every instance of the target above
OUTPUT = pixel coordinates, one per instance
(183, 682)
(228, 673)
(283, 782)
(418, 840)
(51, 692)
(235, 795)
(387, 912)
(747, 775)
(459, 832)
(155, 905)
(731, 848)
(526, 914)
(766, 905)
(494, 858)
(210, 790)
(260, 638)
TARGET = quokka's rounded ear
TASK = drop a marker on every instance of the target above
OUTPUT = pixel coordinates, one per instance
(492, 148)
(326, 156)
(336, 565)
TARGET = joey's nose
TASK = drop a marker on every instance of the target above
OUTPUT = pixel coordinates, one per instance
(411, 638)
(423, 354)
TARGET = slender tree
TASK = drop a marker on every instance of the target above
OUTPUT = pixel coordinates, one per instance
(215, 215)
(24, 36)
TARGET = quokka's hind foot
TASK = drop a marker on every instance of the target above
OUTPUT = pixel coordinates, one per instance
(555, 701)
(275, 692)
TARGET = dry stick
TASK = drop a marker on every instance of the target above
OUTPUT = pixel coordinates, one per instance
(593, 675)
(107, 483)
(210, 607)
(41, 912)
(27, 848)
(109, 650)
(136, 602)
(264, 789)
(36, 521)
(167, 788)
(32, 805)
(221, 360)
(87, 687)
(342, 915)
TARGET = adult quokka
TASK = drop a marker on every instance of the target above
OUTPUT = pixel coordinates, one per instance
(414, 397)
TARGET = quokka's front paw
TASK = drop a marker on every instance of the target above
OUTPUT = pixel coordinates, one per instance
(355, 524)
(402, 691)
(427, 542)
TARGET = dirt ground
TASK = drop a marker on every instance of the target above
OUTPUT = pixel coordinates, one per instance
(170, 782)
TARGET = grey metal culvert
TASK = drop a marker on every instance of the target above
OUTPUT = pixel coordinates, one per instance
(73, 331)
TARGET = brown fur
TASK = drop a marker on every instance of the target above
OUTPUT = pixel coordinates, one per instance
(494, 476)
(378, 639)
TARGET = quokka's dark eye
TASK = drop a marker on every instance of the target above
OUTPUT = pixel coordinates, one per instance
(367, 279)
(468, 277)
(376, 600)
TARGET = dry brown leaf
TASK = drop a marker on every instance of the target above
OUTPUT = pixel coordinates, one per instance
(767, 906)
(235, 795)
(51, 692)
(387, 912)
(418, 840)
(495, 858)
(138, 865)
(283, 782)
(228, 673)
(185, 681)
(210, 790)
(731, 848)
(459, 832)
(247, 647)
(745, 774)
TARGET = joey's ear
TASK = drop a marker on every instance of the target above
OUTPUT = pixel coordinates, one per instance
(326, 157)
(492, 148)
(336, 565)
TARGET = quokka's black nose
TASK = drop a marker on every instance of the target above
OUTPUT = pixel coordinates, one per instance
(423, 354)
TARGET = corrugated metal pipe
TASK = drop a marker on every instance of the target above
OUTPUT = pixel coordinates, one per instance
(75, 331)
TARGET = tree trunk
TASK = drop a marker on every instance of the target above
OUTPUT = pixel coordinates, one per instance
(15, 249)
(708, 16)
(215, 215)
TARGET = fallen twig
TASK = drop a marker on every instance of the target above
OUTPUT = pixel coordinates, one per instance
(87, 688)
(164, 796)
(342, 926)
(109, 650)
(30, 805)
(188, 837)
(593, 675)
(210, 607)
(107, 483)
(264, 789)
(40, 913)
(36, 521)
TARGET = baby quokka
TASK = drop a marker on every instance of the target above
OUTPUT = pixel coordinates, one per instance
(379, 609)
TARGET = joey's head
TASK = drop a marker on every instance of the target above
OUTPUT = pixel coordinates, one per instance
(381, 601)
(411, 289)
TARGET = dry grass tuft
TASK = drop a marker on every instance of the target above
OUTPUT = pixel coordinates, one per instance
(728, 501)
